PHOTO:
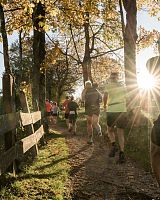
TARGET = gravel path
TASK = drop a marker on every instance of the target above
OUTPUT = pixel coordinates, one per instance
(94, 176)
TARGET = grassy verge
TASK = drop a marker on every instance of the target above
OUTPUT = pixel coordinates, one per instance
(137, 146)
(46, 177)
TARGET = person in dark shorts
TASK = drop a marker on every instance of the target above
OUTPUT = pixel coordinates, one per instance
(72, 108)
(92, 98)
(115, 105)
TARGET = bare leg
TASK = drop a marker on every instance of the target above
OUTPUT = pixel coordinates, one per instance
(70, 127)
(96, 124)
(90, 128)
(111, 134)
(120, 134)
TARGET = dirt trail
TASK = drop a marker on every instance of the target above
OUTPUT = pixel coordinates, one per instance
(94, 176)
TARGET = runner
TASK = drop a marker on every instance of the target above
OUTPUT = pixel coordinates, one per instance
(92, 98)
(48, 110)
(54, 112)
(72, 107)
(115, 103)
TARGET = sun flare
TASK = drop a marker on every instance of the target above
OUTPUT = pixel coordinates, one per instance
(146, 81)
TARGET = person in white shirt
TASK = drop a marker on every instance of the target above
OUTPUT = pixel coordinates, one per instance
(115, 106)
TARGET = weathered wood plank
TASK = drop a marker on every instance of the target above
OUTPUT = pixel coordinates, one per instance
(39, 133)
(31, 140)
(7, 158)
(36, 116)
(27, 143)
(9, 122)
(26, 118)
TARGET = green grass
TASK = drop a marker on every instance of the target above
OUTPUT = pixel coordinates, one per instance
(46, 177)
(137, 146)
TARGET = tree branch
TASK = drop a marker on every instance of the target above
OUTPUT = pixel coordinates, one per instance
(70, 26)
(104, 53)
(93, 37)
(50, 38)
(14, 9)
(122, 18)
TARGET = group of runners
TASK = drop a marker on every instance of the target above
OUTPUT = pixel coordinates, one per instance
(52, 111)
(114, 100)
(114, 103)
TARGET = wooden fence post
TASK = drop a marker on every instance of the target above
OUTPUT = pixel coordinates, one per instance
(25, 107)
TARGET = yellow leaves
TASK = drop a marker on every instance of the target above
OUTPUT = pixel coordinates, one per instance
(37, 1)
(146, 38)
(151, 6)
(29, 8)
(32, 5)
(46, 27)
(53, 12)
(41, 24)
(24, 87)
(3, 1)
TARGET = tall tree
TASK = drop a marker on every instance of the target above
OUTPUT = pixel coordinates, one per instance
(91, 27)
(38, 78)
(8, 84)
(130, 37)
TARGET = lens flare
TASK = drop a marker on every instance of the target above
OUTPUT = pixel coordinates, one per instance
(146, 82)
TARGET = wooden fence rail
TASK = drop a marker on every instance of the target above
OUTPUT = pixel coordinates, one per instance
(12, 121)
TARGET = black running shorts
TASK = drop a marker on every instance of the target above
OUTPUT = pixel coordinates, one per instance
(117, 119)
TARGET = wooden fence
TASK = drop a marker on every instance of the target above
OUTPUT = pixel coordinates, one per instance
(9, 123)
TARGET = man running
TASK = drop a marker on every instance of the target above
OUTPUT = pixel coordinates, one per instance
(72, 108)
(92, 98)
(115, 103)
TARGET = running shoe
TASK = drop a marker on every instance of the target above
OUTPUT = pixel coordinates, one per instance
(90, 141)
(100, 134)
(122, 158)
(113, 151)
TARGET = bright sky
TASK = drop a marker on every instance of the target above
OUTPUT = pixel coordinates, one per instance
(149, 23)
(142, 19)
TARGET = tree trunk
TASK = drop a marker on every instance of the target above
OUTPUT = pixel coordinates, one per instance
(130, 37)
(20, 58)
(86, 64)
(8, 86)
(39, 73)
(59, 98)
